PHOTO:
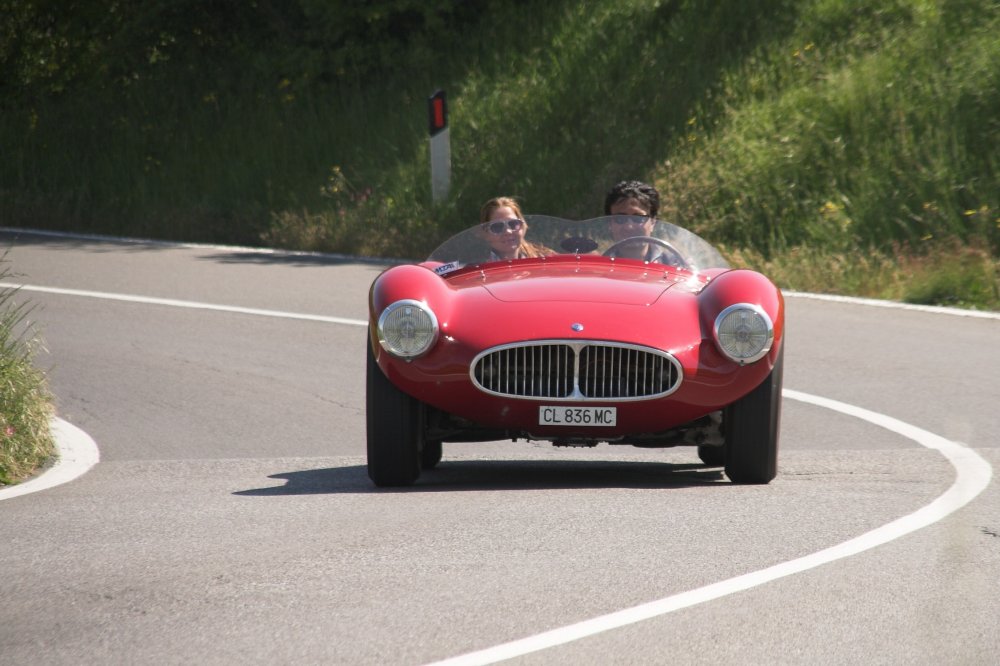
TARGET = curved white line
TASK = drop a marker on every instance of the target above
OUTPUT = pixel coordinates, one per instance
(973, 476)
(182, 304)
(896, 305)
(977, 314)
(960, 312)
(77, 453)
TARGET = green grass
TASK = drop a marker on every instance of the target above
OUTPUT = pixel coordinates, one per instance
(836, 145)
(25, 403)
(947, 273)
(819, 130)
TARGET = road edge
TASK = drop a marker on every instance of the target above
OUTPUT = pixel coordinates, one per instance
(973, 474)
(76, 454)
(897, 305)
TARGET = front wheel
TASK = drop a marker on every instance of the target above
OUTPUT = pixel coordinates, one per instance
(395, 422)
(713, 456)
(431, 455)
(751, 429)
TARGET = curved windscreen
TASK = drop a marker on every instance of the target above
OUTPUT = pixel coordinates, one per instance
(620, 236)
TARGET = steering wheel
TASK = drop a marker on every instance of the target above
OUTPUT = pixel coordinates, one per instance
(675, 254)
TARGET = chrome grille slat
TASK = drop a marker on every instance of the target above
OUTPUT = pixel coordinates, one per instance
(634, 379)
(576, 370)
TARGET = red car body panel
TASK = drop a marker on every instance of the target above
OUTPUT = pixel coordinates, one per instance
(482, 306)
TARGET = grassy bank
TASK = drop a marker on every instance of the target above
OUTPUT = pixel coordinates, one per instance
(838, 146)
(25, 403)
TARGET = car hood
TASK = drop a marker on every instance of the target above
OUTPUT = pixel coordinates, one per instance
(624, 284)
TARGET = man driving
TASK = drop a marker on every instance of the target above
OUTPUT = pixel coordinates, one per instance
(635, 205)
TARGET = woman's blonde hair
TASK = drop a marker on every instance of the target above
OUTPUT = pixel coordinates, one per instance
(499, 202)
(527, 248)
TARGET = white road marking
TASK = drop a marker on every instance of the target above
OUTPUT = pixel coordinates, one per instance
(960, 312)
(855, 300)
(873, 302)
(973, 476)
(182, 304)
(359, 322)
(77, 453)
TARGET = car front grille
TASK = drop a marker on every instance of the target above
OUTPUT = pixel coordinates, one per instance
(576, 370)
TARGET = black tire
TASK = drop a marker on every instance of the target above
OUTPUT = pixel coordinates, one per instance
(751, 428)
(431, 455)
(395, 422)
(713, 456)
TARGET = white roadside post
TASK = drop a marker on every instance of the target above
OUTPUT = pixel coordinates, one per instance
(440, 147)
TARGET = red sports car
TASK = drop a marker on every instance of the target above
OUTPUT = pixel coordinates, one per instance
(650, 341)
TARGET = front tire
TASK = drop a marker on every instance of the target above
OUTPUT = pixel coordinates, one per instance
(395, 423)
(713, 456)
(751, 429)
(431, 455)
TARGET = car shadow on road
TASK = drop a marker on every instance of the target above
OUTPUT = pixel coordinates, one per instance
(476, 475)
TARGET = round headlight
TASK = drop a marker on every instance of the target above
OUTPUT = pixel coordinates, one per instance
(744, 332)
(407, 329)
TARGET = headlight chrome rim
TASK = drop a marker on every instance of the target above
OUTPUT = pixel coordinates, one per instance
(746, 345)
(425, 332)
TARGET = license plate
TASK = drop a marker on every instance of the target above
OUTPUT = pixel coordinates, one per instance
(577, 416)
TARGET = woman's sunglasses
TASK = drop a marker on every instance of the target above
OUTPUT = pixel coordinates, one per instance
(501, 226)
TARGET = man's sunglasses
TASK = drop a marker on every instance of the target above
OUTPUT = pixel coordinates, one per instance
(630, 219)
(501, 226)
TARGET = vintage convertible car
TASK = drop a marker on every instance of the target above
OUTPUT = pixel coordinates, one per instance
(579, 346)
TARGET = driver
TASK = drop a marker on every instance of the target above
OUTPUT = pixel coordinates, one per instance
(640, 202)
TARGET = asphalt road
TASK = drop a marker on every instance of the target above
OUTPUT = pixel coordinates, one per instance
(231, 520)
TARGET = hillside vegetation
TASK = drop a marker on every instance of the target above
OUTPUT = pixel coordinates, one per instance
(838, 145)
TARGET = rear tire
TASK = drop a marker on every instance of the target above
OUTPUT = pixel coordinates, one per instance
(751, 429)
(395, 422)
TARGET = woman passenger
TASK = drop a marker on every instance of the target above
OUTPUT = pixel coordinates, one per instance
(503, 228)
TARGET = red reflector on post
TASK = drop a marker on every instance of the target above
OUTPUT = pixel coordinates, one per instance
(438, 112)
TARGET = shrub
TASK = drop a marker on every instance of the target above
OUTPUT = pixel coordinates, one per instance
(25, 403)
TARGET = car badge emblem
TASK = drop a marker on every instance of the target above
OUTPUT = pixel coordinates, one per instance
(577, 327)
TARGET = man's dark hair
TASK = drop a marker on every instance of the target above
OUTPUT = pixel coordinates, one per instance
(644, 193)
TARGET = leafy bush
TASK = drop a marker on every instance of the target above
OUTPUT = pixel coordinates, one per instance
(50, 47)
(780, 127)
